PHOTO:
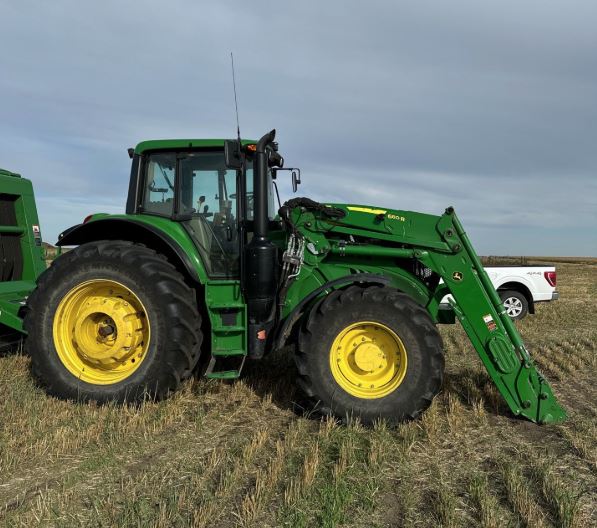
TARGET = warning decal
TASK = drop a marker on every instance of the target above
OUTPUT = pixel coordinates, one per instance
(488, 320)
(37, 235)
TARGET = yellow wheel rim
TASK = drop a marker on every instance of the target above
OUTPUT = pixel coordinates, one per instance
(101, 332)
(368, 360)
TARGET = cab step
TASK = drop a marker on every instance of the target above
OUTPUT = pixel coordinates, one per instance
(228, 329)
(225, 374)
(227, 305)
(228, 353)
(228, 366)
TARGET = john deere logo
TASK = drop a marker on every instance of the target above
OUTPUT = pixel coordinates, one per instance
(457, 275)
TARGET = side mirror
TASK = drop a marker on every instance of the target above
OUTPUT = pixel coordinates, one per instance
(232, 154)
(296, 175)
(296, 179)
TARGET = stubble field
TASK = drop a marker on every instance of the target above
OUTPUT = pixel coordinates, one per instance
(220, 454)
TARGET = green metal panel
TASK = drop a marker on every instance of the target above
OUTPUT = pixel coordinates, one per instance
(19, 193)
(27, 223)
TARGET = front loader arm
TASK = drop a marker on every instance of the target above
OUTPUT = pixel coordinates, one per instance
(492, 333)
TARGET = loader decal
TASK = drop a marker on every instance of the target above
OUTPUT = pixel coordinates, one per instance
(367, 210)
(488, 320)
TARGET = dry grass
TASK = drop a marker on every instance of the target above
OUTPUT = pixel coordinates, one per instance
(219, 454)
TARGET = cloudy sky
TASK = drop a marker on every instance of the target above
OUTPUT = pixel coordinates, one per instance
(487, 106)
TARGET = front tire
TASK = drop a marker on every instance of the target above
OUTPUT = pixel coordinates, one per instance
(112, 321)
(370, 353)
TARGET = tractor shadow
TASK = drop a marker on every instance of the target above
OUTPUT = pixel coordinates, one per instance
(275, 377)
(11, 343)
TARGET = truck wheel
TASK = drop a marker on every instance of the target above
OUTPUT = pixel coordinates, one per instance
(112, 321)
(370, 353)
(515, 303)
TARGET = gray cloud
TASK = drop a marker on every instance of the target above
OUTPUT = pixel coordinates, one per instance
(490, 107)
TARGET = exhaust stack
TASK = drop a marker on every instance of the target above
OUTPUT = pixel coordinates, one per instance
(261, 257)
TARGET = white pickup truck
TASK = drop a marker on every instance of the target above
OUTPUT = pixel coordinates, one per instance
(520, 287)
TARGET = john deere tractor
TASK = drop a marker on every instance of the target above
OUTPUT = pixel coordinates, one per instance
(202, 272)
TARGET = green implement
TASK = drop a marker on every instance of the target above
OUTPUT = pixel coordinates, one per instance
(21, 258)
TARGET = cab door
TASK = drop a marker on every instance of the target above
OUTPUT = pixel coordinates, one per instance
(208, 196)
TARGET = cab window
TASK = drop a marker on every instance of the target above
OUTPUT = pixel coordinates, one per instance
(158, 195)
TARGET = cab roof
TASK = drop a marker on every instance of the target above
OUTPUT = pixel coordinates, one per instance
(174, 144)
(4, 172)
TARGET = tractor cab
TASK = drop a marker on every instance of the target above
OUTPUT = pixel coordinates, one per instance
(192, 182)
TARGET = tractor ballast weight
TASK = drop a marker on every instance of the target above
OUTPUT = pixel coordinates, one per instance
(200, 274)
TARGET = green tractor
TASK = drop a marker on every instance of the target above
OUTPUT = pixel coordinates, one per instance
(202, 273)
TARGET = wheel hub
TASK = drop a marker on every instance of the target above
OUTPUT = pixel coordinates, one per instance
(106, 330)
(513, 306)
(368, 360)
(101, 332)
(369, 357)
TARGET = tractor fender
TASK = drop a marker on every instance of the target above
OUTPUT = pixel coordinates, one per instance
(285, 329)
(133, 231)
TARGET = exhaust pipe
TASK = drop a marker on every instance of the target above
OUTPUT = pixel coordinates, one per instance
(260, 200)
(261, 258)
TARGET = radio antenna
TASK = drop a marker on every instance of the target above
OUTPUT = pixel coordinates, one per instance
(235, 99)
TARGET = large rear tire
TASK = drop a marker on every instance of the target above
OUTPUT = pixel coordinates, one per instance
(370, 353)
(112, 321)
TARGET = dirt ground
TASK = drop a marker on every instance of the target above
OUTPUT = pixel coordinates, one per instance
(238, 454)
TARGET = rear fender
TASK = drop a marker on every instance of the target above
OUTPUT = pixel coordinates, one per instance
(139, 232)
